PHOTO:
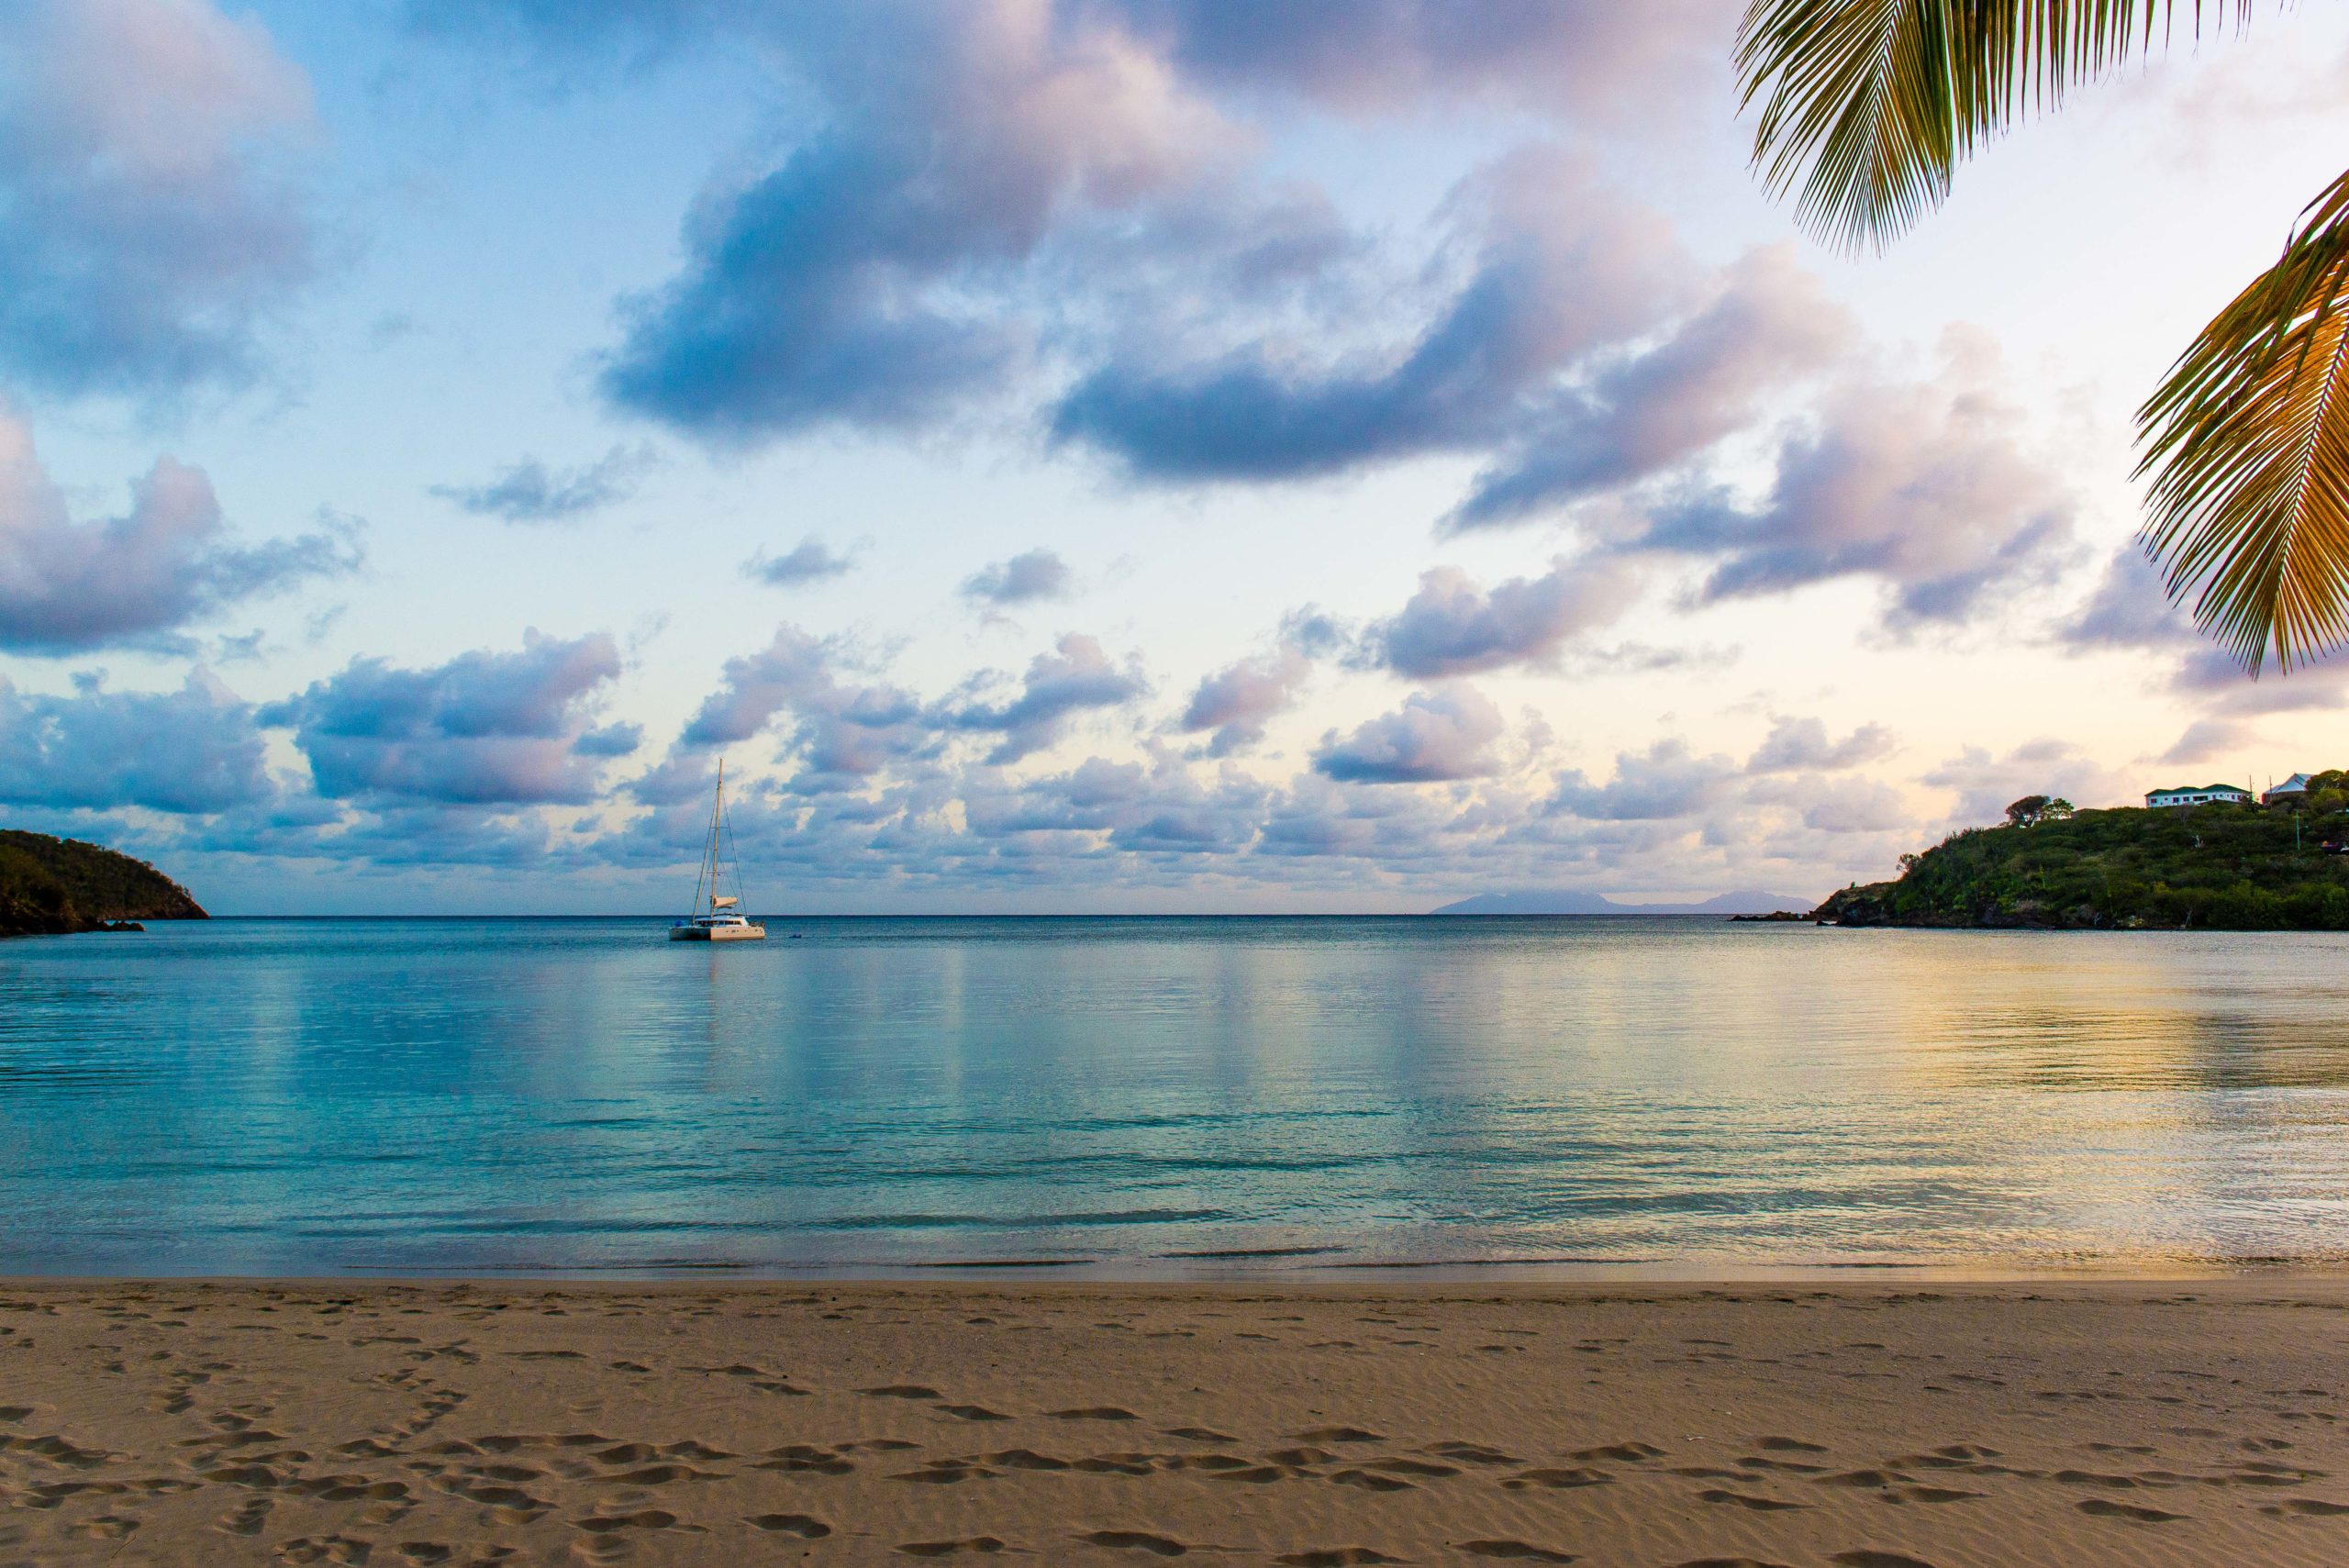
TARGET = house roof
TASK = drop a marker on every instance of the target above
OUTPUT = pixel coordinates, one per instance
(2297, 782)
(2200, 789)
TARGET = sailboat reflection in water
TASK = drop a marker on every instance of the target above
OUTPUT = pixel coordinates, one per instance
(722, 920)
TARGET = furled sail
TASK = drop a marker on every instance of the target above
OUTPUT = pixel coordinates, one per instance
(726, 903)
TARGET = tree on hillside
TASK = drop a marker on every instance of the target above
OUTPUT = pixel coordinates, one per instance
(2033, 809)
(1868, 106)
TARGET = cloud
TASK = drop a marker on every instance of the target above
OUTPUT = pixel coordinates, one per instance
(2205, 738)
(1434, 736)
(850, 284)
(1239, 700)
(1156, 809)
(484, 729)
(2129, 609)
(1027, 578)
(196, 749)
(1924, 487)
(1076, 677)
(149, 159)
(1768, 330)
(1451, 627)
(1799, 745)
(1560, 267)
(530, 492)
(1983, 784)
(810, 561)
(1380, 56)
(138, 579)
(845, 730)
(1668, 781)
(1838, 806)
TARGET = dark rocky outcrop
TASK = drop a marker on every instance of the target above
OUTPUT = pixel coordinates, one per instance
(59, 885)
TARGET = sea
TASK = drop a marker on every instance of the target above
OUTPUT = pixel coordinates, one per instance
(1318, 1098)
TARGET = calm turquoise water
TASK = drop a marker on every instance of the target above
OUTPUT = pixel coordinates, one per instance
(1167, 1097)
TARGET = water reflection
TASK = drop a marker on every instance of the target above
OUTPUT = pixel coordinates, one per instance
(317, 1097)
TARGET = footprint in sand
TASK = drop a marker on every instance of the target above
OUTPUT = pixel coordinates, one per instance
(801, 1524)
(802, 1458)
(426, 1553)
(1556, 1480)
(946, 1472)
(344, 1552)
(1135, 1541)
(248, 1517)
(1337, 1435)
(901, 1391)
(2307, 1508)
(1094, 1413)
(1875, 1478)
(1333, 1557)
(643, 1518)
(1200, 1435)
(1625, 1453)
(1475, 1454)
(1370, 1481)
(973, 1413)
(2105, 1509)
(949, 1548)
(1869, 1556)
(1747, 1500)
(106, 1527)
(1024, 1459)
(1514, 1550)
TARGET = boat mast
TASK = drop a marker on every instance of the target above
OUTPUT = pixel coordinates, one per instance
(716, 810)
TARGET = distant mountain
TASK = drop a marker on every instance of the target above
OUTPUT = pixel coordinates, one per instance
(1562, 902)
(50, 886)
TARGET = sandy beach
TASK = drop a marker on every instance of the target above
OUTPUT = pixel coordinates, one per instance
(476, 1423)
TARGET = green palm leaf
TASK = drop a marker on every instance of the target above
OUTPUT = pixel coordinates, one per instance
(2248, 439)
(1868, 105)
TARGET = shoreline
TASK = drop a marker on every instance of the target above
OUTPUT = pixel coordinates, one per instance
(1862, 1423)
(1202, 1271)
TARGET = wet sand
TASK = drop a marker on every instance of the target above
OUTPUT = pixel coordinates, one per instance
(1636, 1425)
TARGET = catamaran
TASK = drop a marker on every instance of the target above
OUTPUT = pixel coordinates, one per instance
(722, 920)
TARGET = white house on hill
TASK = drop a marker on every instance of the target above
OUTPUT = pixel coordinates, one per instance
(2294, 789)
(2154, 799)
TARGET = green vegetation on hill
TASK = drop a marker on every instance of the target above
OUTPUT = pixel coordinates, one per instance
(2218, 867)
(63, 885)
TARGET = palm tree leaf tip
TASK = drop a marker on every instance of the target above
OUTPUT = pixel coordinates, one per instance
(2247, 441)
(1866, 105)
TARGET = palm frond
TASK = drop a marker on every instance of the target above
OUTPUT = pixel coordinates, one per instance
(1868, 105)
(2248, 439)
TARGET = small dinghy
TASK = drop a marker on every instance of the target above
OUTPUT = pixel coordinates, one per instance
(721, 920)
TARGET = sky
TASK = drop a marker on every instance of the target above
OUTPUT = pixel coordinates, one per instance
(1079, 455)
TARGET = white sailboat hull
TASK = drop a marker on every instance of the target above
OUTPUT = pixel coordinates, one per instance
(698, 932)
